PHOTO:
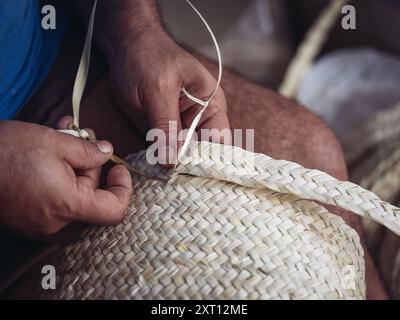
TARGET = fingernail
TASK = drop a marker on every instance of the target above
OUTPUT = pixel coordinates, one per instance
(104, 146)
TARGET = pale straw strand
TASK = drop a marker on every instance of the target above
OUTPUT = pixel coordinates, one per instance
(206, 103)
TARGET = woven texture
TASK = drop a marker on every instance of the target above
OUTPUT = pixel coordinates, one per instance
(374, 160)
(229, 225)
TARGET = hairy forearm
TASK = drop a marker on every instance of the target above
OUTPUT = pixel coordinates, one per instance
(120, 22)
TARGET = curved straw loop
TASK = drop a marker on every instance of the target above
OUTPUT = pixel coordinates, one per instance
(206, 103)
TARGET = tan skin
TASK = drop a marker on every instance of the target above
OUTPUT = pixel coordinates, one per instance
(145, 89)
(148, 81)
(148, 69)
(57, 178)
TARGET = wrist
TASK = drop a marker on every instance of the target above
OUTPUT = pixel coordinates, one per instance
(123, 23)
(137, 49)
(136, 39)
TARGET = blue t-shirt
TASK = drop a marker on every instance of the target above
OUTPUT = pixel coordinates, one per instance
(27, 51)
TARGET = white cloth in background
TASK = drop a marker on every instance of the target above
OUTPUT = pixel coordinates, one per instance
(348, 86)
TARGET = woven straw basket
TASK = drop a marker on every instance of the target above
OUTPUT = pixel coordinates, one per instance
(229, 224)
(225, 224)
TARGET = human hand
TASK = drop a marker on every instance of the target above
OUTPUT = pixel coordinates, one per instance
(49, 180)
(147, 76)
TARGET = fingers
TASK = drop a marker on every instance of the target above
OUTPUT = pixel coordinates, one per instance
(167, 105)
(64, 122)
(80, 154)
(164, 114)
(214, 127)
(201, 84)
(106, 207)
(93, 175)
(119, 183)
(103, 207)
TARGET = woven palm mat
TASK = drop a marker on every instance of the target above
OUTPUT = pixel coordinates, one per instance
(230, 224)
(373, 156)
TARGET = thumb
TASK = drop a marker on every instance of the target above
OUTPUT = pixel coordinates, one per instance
(164, 115)
(82, 154)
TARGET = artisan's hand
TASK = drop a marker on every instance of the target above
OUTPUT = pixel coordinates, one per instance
(49, 179)
(148, 69)
(149, 74)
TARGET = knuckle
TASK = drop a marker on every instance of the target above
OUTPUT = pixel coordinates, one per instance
(162, 80)
(161, 122)
(48, 134)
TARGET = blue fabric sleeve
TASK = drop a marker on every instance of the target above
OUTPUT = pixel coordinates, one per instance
(27, 51)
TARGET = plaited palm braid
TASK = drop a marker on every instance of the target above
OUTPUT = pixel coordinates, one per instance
(225, 227)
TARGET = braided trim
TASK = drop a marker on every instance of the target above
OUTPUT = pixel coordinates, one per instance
(210, 160)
